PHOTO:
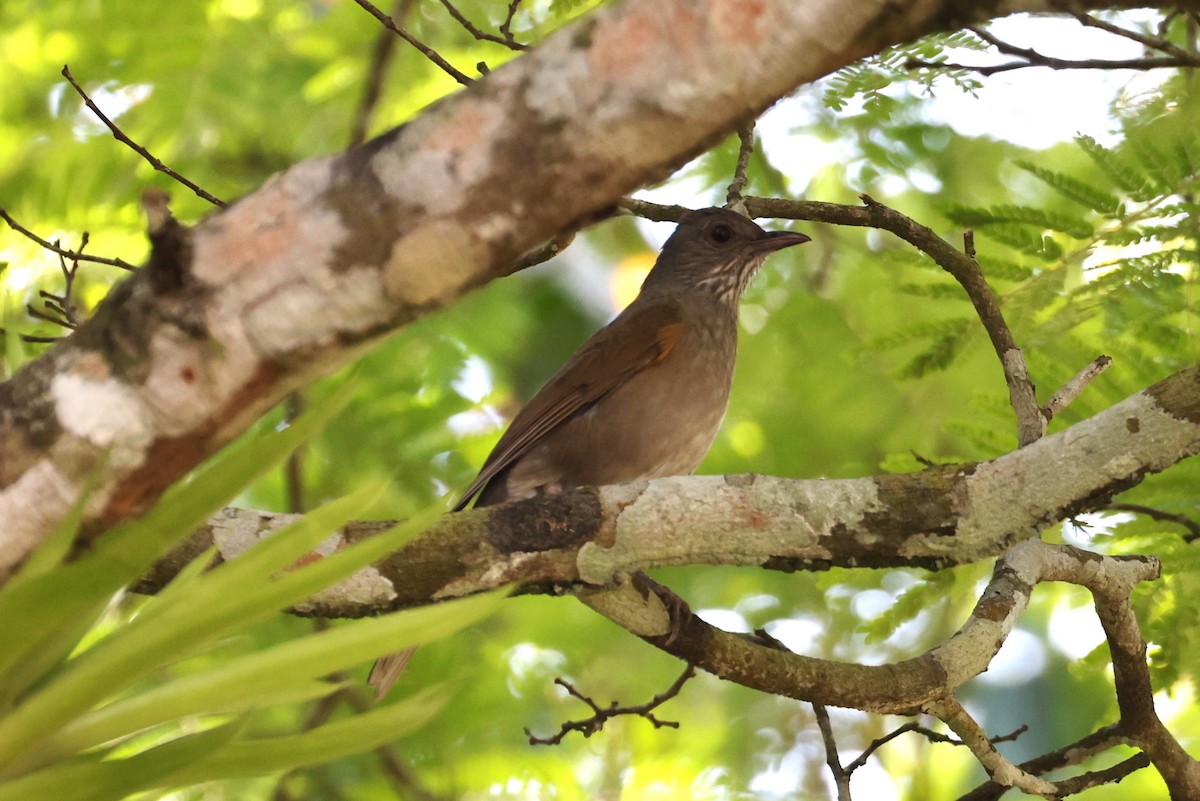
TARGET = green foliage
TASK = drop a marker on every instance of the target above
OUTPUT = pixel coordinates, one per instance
(97, 717)
(862, 354)
(870, 77)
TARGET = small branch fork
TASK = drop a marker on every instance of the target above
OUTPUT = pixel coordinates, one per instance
(381, 57)
(929, 682)
(601, 715)
(843, 773)
(733, 196)
(57, 310)
(1174, 56)
(53, 247)
(506, 38)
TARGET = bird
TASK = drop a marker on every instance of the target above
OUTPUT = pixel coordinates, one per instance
(642, 398)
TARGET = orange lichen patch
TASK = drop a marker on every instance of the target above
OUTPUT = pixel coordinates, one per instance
(629, 45)
(253, 232)
(467, 129)
(740, 21)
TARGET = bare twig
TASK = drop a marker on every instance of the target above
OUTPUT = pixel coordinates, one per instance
(1180, 57)
(1077, 384)
(1160, 43)
(54, 248)
(120, 136)
(425, 50)
(381, 57)
(926, 732)
(1055, 64)
(506, 26)
(733, 195)
(59, 310)
(483, 36)
(589, 726)
(1158, 514)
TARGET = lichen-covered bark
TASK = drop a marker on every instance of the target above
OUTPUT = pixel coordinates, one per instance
(593, 537)
(294, 279)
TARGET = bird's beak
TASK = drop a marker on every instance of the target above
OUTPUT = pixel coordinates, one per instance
(778, 240)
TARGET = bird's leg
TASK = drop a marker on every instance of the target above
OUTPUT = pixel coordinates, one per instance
(677, 608)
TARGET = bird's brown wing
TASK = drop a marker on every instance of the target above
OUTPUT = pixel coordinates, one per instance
(638, 339)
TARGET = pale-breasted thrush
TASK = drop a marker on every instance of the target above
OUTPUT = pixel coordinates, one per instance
(645, 395)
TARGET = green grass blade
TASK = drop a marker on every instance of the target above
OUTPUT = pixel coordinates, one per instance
(31, 611)
(154, 638)
(110, 780)
(254, 757)
(244, 683)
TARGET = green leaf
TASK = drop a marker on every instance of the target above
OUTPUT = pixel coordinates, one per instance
(1010, 213)
(254, 757)
(1123, 174)
(91, 779)
(1074, 189)
(35, 612)
(32, 611)
(248, 682)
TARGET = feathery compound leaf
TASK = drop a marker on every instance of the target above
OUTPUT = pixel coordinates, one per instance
(1075, 189)
(1002, 270)
(918, 598)
(938, 356)
(935, 291)
(930, 329)
(1137, 234)
(1024, 239)
(1116, 167)
(979, 217)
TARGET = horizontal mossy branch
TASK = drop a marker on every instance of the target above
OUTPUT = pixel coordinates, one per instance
(593, 537)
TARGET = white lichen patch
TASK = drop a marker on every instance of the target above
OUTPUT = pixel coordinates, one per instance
(181, 390)
(282, 228)
(567, 90)
(314, 310)
(448, 153)
(105, 412)
(236, 531)
(366, 587)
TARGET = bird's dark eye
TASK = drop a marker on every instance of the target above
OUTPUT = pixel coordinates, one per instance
(721, 234)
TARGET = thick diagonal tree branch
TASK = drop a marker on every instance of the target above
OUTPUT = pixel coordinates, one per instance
(302, 275)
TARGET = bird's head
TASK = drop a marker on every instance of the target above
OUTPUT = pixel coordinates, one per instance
(717, 250)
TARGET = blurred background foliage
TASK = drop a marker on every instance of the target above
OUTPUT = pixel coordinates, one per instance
(858, 356)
